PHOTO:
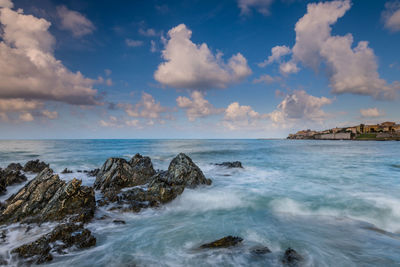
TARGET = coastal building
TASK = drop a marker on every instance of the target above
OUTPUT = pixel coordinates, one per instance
(387, 126)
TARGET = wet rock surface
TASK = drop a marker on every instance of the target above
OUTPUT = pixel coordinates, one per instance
(57, 241)
(234, 164)
(260, 250)
(47, 198)
(117, 173)
(35, 166)
(161, 188)
(66, 171)
(225, 242)
(292, 258)
(10, 176)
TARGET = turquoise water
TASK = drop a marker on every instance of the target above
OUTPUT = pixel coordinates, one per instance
(336, 202)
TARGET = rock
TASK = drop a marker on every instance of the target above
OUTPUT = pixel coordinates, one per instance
(234, 164)
(47, 198)
(92, 173)
(259, 250)
(35, 166)
(62, 237)
(228, 241)
(117, 173)
(14, 167)
(119, 222)
(291, 257)
(66, 171)
(10, 176)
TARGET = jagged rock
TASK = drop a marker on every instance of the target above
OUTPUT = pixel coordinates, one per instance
(14, 167)
(62, 237)
(117, 173)
(92, 173)
(234, 164)
(47, 198)
(35, 166)
(259, 250)
(10, 176)
(291, 257)
(119, 222)
(66, 171)
(228, 241)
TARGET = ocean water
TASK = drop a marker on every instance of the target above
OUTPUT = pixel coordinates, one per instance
(335, 202)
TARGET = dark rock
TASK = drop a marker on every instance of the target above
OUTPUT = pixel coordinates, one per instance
(228, 241)
(259, 250)
(234, 164)
(9, 176)
(14, 167)
(62, 237)
(92, 173)
(291, 257)
(81, 171)
(66, 171)
(35, 166)
(117, 173)
(119, 222)
(47, 198)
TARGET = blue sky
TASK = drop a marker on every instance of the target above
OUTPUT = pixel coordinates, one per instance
(195, 69)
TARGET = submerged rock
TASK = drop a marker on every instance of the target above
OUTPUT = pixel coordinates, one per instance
(62, 237)
(117, 173)
(234, 164)
(291, 257)
(35, 166)
(260, 250)
(10, 176)
(225, 242)
(47, 198)
(66, 171)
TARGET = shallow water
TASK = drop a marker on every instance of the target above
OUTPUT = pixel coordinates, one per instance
(336, 202)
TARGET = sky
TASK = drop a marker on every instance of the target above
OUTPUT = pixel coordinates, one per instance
(195, 69)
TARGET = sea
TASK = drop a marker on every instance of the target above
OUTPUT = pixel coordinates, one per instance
(337, 203)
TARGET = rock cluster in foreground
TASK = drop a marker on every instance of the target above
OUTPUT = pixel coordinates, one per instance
(10, 176)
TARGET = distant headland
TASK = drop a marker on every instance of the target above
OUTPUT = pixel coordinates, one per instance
(384, 131)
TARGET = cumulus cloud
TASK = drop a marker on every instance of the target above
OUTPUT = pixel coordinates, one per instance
(50, 114)
(74, 22)
(391, 16)
(148, 32)
(371, 113)
(133, 43)
(192, 66)
(350, 69)
(6, 3)
(26, 117)
(268, 79)
(197, 107)
(261, 6)
(114, 122)
(299, 105)
(147, 108)
(153, 46)
(241, 117)
(29, 69)
(277, 52)
(17, 105)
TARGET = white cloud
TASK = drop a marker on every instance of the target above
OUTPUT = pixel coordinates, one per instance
(114, 122)
(50, 114)
(133, 43)
(277, 52)
(26, 117)
(391, 16)
(148, 32)
(288, 67)
(146, 108)
(350, 70)
(371, 113)
(197, 107)
(300, 106)
(153, 46)
(237, 117)
(261, 6)
(6, 3)
(17, 105)
(268, 79)
(74, 22)
(29, 69)
(191, 66)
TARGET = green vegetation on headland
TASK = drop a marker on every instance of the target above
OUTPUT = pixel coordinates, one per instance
(385, 131)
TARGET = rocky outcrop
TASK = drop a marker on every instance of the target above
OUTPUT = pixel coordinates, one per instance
(161, 188)
(47, 198)
(225, 242)
(292, 258)
(35, 166)
(14, 167)
(66, 171)
(260, 250)
(10, 176)
(62, 237)
(234, 164)
(117, 173)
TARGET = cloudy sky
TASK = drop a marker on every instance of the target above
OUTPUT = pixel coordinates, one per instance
(195, 69)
